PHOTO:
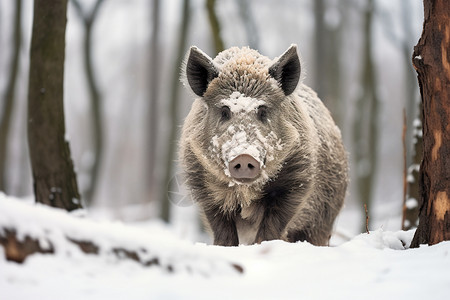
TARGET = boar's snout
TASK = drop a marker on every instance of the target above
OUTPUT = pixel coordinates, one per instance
(244, 167)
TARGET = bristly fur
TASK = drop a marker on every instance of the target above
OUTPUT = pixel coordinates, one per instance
(302, 186)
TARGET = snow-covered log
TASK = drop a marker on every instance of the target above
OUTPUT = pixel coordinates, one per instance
(26, 229)
(82, 263)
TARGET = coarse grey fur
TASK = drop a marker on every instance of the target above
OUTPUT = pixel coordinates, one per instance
(304, 170)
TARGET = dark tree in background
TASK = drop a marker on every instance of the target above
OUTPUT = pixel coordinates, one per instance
(94, 93)
(431, 59)
(6, 108)
(53, 173)
(215, 26)
(248, 20)
(173, 108)
(327, 52)
(365, 124)
(153, 120)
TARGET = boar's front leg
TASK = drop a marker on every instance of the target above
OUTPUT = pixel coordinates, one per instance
(279, 209)
(223, 227)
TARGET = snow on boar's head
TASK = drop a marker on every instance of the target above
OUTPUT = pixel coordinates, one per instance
(239, 129)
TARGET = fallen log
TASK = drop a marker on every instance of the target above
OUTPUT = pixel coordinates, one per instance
(28, 229)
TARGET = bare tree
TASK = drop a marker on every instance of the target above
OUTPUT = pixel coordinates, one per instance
(248, 20)
(366, 119)
(414, 135)
(173, 107)
(154, 95)
(5, 118)
(52, 167)
(431, 61)
(96, 99)
(215, 26)
(327, 51)
(320, 49)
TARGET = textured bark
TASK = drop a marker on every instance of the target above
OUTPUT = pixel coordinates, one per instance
(431, 59)
(53, 173)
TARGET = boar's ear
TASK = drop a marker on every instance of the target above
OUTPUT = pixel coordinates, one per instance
(286, 70)
(200, 70)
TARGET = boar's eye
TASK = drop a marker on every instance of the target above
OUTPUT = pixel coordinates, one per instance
(226, 113)
(262, 113)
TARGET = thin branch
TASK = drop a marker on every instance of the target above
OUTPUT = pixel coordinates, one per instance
(404, 169)
(367, 218)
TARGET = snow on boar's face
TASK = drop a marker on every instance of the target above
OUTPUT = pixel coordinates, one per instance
(243, 131)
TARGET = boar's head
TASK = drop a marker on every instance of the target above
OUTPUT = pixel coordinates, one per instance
(243, 118)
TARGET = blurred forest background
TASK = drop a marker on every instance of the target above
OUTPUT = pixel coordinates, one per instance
(124, 103)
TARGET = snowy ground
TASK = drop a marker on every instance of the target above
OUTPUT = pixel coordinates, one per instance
(370, 266)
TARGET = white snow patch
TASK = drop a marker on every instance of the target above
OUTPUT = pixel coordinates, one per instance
(215, 141)
(238, 103)
(417, 122)
(411, 203)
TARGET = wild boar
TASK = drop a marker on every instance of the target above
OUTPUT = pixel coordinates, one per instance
(261, 154)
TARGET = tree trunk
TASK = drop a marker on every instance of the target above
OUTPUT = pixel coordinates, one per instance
(215, 26)
(248, 19)
(88, 20)
(53, 173)
(153, 127)
(173, 118)
(327, 53)
(366, 119)
(320, 49)
(431, 59)
(7, 107)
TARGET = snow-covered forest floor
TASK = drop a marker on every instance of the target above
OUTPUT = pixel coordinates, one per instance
(378, 265)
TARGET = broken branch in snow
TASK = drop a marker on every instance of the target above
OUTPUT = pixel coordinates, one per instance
(405, 171)
(17, 250)
(367, 218)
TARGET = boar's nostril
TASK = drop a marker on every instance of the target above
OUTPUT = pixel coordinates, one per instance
(244, 167)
